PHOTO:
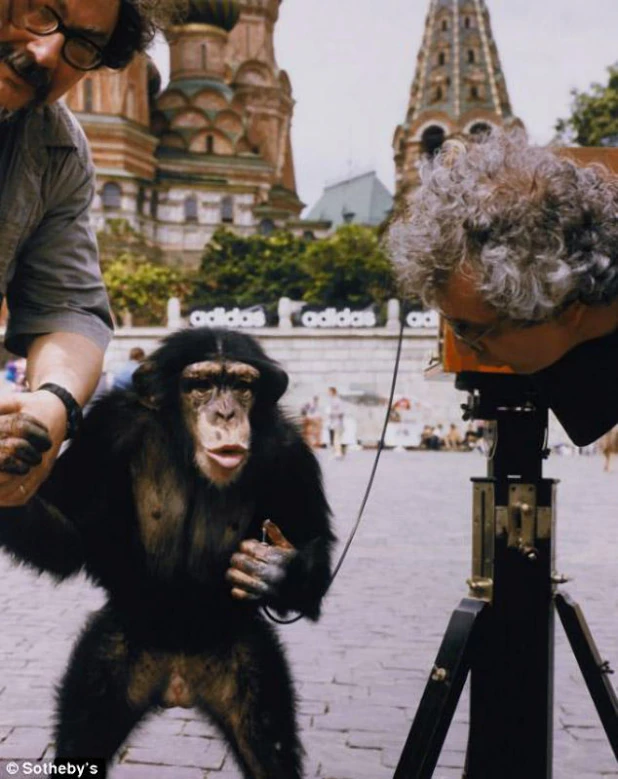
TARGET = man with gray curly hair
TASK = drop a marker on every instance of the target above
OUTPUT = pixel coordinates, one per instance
(49, 270)
(517, 247)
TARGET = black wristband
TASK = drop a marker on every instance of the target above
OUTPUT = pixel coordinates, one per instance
(74, 412)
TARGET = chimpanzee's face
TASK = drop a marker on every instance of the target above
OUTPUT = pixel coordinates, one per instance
(217, 398)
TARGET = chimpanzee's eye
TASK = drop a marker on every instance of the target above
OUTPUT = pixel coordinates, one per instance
(197, 385)
(243, 392)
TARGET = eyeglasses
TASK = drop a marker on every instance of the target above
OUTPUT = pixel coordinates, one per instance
(472, 334)
(80, 52)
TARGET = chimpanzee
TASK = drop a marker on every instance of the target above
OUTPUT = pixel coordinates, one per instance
(163, 499)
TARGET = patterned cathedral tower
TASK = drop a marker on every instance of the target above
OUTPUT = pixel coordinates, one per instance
(213, 148)
(114, 110)
(224, 123)
(459, 86)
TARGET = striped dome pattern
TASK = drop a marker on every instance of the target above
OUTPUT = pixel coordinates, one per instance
(218, 13)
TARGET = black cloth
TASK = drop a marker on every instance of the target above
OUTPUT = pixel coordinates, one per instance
(582, 389)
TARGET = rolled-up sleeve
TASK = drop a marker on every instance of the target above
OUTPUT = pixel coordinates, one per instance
(57, 284)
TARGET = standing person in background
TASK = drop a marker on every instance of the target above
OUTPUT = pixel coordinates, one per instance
(334, 416)
(49, 270)
(124, 378)
(609, 446)
(312, 423)
(15, 374)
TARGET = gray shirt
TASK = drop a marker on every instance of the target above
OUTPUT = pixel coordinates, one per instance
(49, 265)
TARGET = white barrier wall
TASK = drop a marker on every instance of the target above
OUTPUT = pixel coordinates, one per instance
(354, 361)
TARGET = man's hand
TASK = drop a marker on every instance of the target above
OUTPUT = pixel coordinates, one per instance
(257, 570)
(13, 11)
(32, 428)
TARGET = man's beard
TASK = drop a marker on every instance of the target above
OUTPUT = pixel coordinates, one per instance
(29, 71)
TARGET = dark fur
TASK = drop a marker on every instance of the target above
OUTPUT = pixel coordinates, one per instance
(171, 597)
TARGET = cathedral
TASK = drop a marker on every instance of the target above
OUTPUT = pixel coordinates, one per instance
(458, 88)
(212, 149)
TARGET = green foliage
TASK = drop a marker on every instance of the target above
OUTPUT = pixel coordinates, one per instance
(594, 115)
(119, 237)
(245, 271)
(143, 288)
(348, 268)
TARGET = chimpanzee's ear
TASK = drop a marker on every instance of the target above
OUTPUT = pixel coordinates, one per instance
(146, 383)
(273, 380)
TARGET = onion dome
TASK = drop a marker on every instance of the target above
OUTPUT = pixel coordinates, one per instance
(218, 13)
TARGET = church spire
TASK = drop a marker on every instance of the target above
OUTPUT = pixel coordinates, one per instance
(458, 87)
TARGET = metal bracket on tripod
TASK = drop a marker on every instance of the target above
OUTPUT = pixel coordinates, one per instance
(503, 634)
(522, 521)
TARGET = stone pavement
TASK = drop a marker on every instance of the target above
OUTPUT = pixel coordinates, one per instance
(362, 668)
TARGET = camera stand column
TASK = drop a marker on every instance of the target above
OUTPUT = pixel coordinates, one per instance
(503, 633)
(511, 692)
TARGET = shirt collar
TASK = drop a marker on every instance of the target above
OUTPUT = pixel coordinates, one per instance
(56, 128)
(51, 124)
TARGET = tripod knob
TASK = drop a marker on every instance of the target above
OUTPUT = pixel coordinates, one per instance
(605, 667)
(439, 674)
(468, 412)
(530, 553)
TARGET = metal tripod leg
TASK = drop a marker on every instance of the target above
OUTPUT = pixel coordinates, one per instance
(594, 670)
(442, 693)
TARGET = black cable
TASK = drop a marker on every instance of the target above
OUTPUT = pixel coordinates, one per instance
(367, 491)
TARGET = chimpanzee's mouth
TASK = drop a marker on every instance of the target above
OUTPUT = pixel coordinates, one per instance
(228, 456)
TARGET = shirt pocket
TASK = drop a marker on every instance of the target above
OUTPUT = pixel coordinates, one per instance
(11, 234)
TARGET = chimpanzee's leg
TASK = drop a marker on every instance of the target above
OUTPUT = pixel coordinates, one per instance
(95, 712)
(248, 692)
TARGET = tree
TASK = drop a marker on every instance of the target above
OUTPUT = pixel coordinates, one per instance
(137, 280)
(348, 268)
(143, 288)
(246, 271)
(119, 237)
(594, 115)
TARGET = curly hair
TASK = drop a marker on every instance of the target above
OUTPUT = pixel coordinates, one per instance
(138, 23)
(532, 228)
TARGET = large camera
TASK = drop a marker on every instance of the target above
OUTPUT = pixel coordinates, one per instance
(581, 389)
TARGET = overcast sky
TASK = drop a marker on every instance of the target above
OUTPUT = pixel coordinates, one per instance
(351, 64)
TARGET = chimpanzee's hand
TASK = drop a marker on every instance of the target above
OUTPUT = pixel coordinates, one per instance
(257, 570)
(32, 426)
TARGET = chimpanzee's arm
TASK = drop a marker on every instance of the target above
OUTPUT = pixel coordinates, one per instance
(40, 535)
(293, 570)
(46, 533)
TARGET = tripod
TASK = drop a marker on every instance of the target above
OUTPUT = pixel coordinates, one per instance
(503, 633)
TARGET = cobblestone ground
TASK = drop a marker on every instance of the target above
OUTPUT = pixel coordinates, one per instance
(362, 669)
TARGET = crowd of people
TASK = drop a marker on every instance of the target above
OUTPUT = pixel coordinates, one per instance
(323, 426)
(434, 438)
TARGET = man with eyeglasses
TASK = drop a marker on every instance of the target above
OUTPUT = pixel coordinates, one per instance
(517, 247)
(49, 270)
